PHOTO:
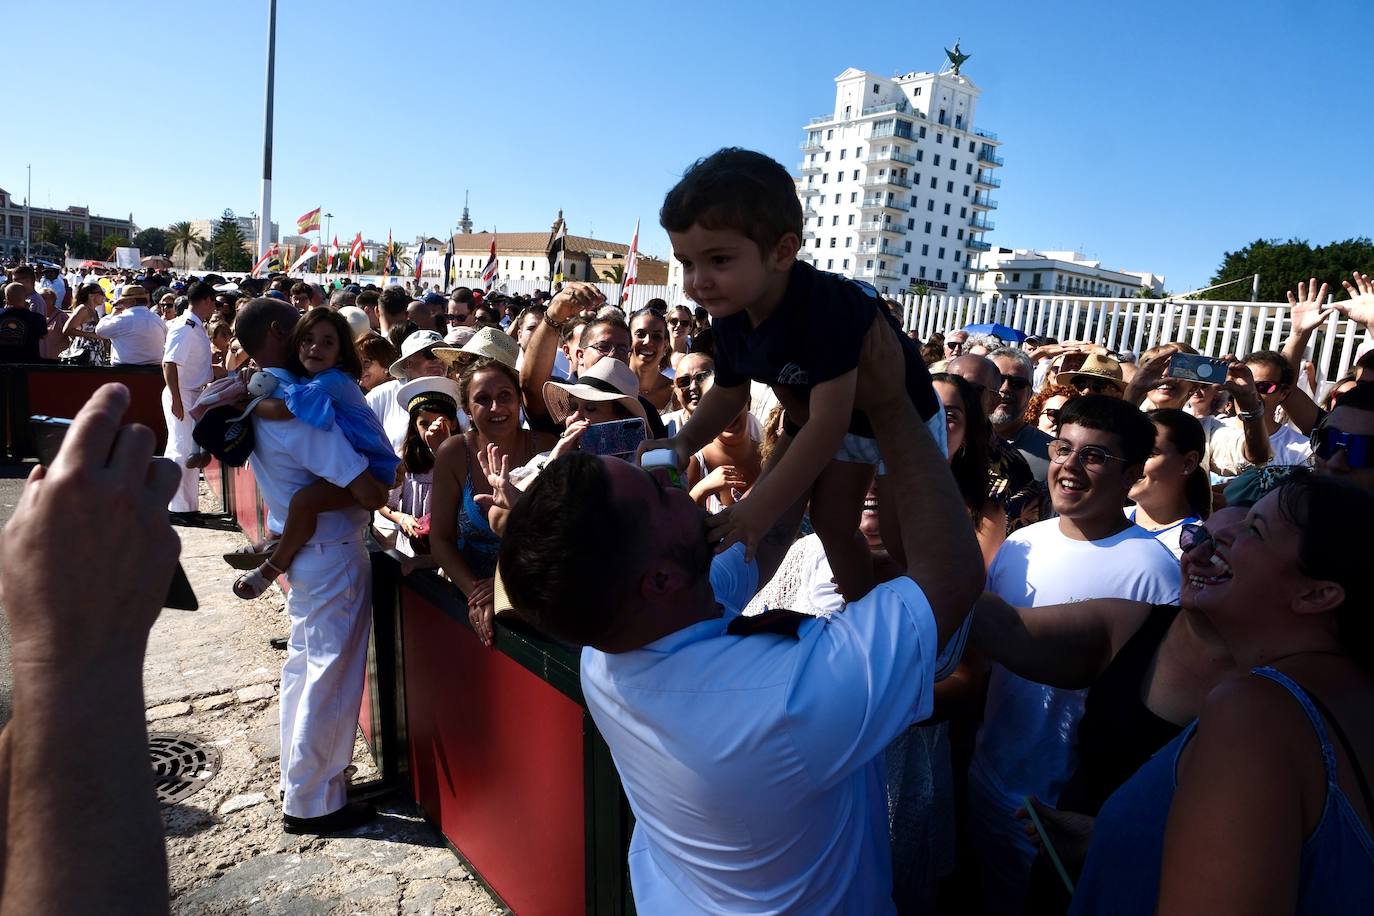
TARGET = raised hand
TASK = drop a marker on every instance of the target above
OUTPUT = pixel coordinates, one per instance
(1308, 307)
(1360, 306)
(496, 466)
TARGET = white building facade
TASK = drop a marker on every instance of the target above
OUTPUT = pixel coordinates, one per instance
(895, 183)
(1026, 271)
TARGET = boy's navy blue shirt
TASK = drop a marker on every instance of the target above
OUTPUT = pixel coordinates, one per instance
(814, 335)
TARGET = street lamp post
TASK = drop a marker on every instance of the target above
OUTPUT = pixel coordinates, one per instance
(328, 217)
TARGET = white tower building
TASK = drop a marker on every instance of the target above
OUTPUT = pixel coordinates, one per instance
(895, 182)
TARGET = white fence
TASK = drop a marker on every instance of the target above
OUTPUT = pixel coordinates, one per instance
(1214, 328)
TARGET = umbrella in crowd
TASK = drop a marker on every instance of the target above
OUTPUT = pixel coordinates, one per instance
(1000, 331)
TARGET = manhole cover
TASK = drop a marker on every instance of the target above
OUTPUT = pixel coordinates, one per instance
(181, 765)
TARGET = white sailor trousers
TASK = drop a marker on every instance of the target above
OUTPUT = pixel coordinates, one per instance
(180, 446)
(329, 606)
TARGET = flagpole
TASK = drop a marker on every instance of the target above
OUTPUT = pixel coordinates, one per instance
(265, 203)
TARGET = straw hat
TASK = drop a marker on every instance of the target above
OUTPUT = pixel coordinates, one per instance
(1095, 366)
(607, 380)
(415, 343)
(489, 343)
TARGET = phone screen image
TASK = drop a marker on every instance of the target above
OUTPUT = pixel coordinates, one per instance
(617, 438)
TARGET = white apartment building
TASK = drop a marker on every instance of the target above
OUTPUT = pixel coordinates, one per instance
(1026, 271)
(895, 184)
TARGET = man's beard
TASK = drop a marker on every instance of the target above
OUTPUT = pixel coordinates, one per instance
(1001, 416)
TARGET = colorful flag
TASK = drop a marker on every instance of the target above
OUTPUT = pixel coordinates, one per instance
(264, 260)
(391, 269)
(448, 265)
(419, 260)
(308, 222)
(334, 255)
(355, 252)
(490, 273)
(556, 249)
(631, 267)
(305, 257)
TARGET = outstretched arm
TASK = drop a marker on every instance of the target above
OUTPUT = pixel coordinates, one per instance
(1063, 645)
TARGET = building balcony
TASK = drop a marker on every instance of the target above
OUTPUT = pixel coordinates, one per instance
(810, 168)
(821, 120)
(865, 273)
(975, 269)
(901, 106)
(973, 244)
(808, 192)
(985, 180)
(901, 130)
(878, 203)
(808, 234)
(889, 181)
(878, 226)
(981, 224)
(810, 146)
(879, 250)
(890, 156)
(983, 202)
(988, 157)
(809, 212)
(987, 135)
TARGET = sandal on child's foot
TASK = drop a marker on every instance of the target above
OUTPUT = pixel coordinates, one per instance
(251, 556)
(250, 585)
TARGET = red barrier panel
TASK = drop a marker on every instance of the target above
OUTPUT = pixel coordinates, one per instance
(60, 391)
(496, 761)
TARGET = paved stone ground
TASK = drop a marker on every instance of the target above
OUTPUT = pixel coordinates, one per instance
(211, 674)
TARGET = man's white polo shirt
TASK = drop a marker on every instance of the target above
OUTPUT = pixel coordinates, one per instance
(136, 336)
(752, 763)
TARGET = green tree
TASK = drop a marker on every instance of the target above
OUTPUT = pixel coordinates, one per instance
(1281, 265)
(183, 237)
(613, 274)
(227, 245)
(82, 246)
(51, 234)
(110, 242)
(151, 241)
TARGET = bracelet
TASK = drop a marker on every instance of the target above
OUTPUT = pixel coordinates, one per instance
(1250, 415)
(556, 325)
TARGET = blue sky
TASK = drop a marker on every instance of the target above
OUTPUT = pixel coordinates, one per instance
(1154, 136)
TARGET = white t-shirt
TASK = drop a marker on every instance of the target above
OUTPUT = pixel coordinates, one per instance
(753, 763)
(137, 337)
(395, 420)
(1026, 743)
(1168, 536)
(1290, 446)
(289, 455)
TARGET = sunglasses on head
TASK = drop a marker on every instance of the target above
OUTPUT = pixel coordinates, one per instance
(1359, 449)
(1016, 382)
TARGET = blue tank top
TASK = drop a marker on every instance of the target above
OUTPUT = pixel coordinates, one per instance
(1121, 875)
(477, 543)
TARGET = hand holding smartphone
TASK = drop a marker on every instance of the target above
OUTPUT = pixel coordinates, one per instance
(1193, 367)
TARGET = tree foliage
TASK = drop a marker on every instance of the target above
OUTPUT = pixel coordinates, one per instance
(111, 242)
(151, 241)
(183, 237)
(613, 274)
(1282, 264)
(227, 245)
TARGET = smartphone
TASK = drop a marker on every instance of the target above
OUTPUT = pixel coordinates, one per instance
(617, 438)
(1050, 851)
(1195, 368)
(48, 433)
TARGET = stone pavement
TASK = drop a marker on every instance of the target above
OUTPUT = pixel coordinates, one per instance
(210, 673)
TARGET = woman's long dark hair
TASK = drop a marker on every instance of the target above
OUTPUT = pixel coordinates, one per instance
(970, 464)
(1331, 517)
(416, 455)
(1186, 435)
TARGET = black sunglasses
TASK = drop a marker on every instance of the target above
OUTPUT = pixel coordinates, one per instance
(1192, 535)
(683, 382)
(1095, 385)
(1052, 413)
(1016, 382)
(1267, 387)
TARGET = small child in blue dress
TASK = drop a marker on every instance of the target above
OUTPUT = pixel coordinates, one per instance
(319, 387)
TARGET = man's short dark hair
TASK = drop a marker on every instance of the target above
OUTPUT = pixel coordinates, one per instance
(199, 292)
(595, 323)
(1112, 415)
(1361, 397)
(300, 288)
(255, 319)
(735, 189)
(368, 297)
(1276, 361)
(462, 295)
(395, 301)
(566, 583)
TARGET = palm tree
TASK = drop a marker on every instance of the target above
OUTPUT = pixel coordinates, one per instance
(184, 236)
(614, 274)
(395, 248)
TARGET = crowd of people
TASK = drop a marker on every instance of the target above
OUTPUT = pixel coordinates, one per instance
(869, 623)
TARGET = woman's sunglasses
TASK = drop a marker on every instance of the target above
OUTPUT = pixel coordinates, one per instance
(683, 382)
(1191, 535)
(1359, 449)
(1052, 413)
